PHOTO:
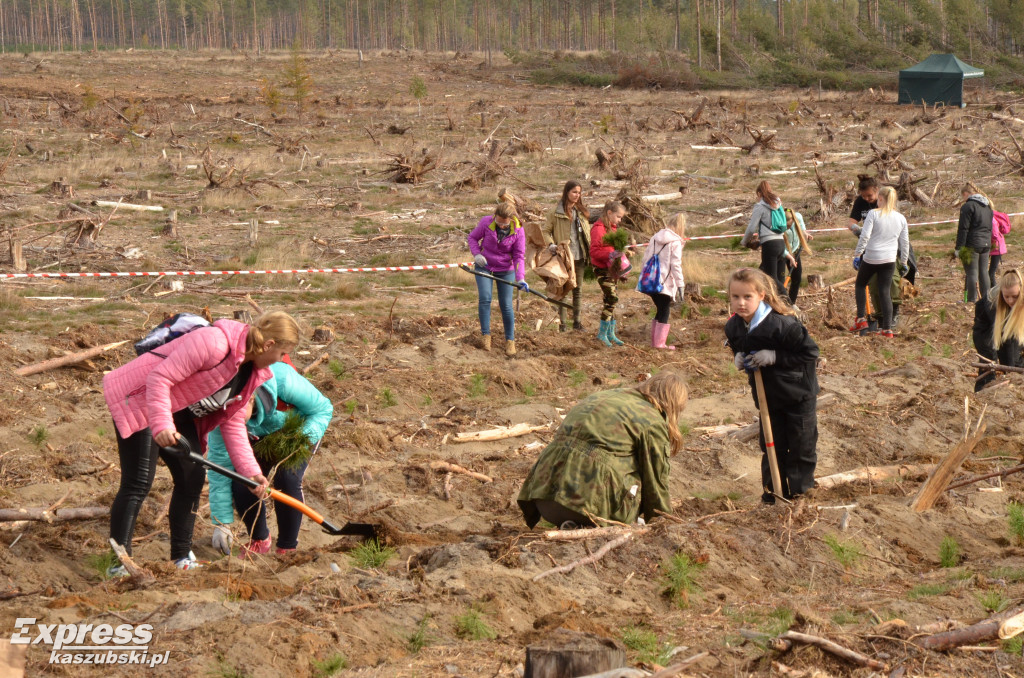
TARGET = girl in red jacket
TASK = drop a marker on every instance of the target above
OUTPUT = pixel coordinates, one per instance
(186, 388)
(607, 270)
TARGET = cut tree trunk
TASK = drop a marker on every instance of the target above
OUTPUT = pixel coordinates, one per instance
(128, 206)
(500, 433)
(815, 281)
(58, 515)
(567, 654)
(66, 360)
(18, 256)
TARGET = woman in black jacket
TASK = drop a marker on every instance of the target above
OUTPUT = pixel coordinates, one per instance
(999, 325)
(765, 334)
(974, 240)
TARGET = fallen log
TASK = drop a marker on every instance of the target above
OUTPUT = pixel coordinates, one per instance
(835, 649)
(872, 473)
(128, 206)
(663, 197)
(935, 485)
(65, 360)
(993, 367)
(500, 433)
(715, 148)
(969, 635)
(455, 468)
(59, 515)
(586, 533)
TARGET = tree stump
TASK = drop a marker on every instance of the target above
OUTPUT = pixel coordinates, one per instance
(323, 335)
(17, 256)
(692, 291)
(143, 196)
(254, 231)
(171, 225)
(62, 189)
(568, 654)
(243, 317)
(815, 281)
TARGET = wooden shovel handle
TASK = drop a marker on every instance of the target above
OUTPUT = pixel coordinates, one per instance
(766, 427)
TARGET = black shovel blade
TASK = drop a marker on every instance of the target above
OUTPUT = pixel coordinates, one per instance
(365, 530)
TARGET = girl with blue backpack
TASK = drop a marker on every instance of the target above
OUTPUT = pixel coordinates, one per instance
(768, 223)
(662, 275)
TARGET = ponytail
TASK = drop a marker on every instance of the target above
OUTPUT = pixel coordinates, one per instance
(764, 189)
(276, 326)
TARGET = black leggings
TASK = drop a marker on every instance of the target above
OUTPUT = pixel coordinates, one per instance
(663, 303)
(138, 455)
(773, 262)
(254, 512)
(884, 272)
(796, 275)
(993, 268)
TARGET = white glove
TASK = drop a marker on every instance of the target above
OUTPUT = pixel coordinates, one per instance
(222, 539)
(762, 358)
(738, 361)
(553, 248)
(480, 260)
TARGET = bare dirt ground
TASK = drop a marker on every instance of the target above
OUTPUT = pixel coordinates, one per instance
(405, 374)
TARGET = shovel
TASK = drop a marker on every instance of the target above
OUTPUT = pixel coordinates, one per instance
(365, 530)
(769, 441)
(543, 296)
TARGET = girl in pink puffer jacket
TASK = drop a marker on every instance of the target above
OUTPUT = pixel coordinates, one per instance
(186, 388)
(1000, 229)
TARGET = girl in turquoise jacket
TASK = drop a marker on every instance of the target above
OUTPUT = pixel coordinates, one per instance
(286, 390)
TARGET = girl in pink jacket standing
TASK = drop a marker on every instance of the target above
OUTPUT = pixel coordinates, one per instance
(1000, 229)
(186, 388)
(667, 244)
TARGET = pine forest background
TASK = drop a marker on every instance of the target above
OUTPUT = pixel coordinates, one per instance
(672, 43)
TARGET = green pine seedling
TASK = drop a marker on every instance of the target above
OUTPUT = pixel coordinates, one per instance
(289, 446)
(470, 626)
(419, 638)
(102, 562)
(847, 553)
(370, 555)
(328, 667)
(950, 553)
(679, 577)
(618, 239)
(1015, 518)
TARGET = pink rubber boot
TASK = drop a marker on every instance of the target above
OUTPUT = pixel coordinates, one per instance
(660, 335)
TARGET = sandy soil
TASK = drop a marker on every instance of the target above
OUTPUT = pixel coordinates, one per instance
(405, 373)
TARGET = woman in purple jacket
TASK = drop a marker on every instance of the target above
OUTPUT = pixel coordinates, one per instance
(498, 244)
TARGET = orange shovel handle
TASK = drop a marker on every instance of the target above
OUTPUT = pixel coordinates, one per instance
(278, 495)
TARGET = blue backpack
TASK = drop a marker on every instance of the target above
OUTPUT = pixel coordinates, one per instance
(169, 330)
(650, 277)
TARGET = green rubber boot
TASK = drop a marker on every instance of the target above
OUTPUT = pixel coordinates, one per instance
(611, 333)
(602, 333)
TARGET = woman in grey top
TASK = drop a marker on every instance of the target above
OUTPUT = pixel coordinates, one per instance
(883, 238)
(773, 244)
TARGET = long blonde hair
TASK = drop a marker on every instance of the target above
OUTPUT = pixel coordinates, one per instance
(970, 189)
(888, 194)
(277, 326)
(1009, 319)
(677, 224)
(763, 284)
(666, 390)
(804, 247)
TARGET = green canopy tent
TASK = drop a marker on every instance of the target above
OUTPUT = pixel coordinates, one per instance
(939, 78)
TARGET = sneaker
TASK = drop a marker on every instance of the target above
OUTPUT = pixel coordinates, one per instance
(116, 571)
(189, 562)
(283, 552)
(885, 333)
(859, 324)
(256, 547)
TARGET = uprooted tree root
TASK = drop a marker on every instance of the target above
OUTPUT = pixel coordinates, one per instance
(404, 169)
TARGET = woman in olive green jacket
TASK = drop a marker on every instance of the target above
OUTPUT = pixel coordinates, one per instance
(610, 458)
(569, 222)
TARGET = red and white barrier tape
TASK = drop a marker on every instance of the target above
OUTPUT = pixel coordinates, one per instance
(373, 269)
(142, 274)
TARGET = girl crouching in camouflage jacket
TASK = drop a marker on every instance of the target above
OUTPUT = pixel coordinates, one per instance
(610, 458)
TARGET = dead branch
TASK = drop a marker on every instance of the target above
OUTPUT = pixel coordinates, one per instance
(935, 485)
(873, 473)
(66, 360)
(969, 635)
(833, 648)
(455, 468)
(593, 558)
(764, 140)
(978, 479)
(586, 533)
(140, 575)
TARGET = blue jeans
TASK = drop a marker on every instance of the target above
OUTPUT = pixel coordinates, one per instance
(483, 288)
